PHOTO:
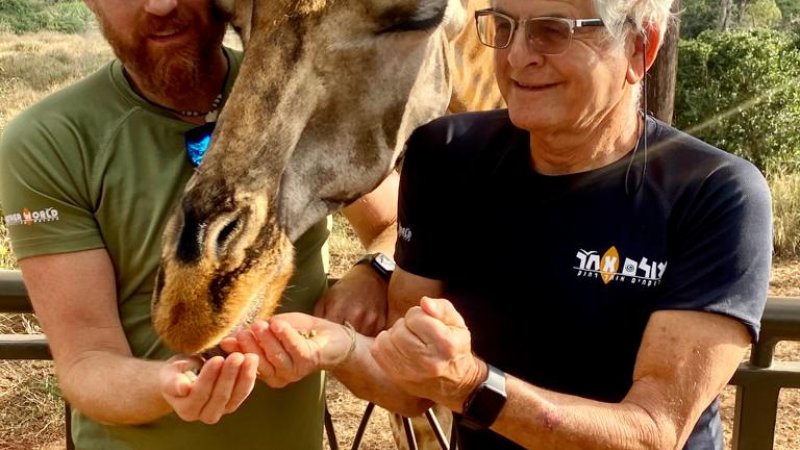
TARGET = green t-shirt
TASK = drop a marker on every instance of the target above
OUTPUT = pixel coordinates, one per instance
(96, 166)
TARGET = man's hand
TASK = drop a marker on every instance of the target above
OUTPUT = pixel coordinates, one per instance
(359, 297)
(220, 387)
(292, 346)
(428, 353)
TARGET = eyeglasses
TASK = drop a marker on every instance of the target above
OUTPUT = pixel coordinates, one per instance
(197, 141)
(547, 35)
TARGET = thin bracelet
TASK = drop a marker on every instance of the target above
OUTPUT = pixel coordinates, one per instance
(351, 332)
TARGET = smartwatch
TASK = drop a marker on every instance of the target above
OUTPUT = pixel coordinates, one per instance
(484, 403)
(380, 263)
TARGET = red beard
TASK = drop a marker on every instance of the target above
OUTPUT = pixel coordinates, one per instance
(176, 71)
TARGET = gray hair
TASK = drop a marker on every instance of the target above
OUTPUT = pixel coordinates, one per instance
(617, 13)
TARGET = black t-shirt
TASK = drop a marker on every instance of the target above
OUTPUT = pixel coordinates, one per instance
(556, 276)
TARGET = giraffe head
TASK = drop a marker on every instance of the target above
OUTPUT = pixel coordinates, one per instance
(327, 93)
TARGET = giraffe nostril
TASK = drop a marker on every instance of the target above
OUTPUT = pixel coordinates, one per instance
(224, 235)
(191, 237)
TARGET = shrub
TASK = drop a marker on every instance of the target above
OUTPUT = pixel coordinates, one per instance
(19, 16)
(740, 91)
(68, 17)
(25, 16)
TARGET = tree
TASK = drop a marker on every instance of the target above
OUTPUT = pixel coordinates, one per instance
(740, 8)
(660, 93)
(738, 90)
(726, 15)
(699, 15)
(760, 14)
(725, 10)
(790, 11)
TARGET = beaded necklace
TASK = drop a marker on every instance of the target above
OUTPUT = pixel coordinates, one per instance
(210, 115)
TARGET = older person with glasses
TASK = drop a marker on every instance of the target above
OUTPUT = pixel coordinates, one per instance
(106, 158)
(571, 272)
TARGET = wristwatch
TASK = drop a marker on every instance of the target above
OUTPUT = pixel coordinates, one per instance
(380, 263)
(484, 403)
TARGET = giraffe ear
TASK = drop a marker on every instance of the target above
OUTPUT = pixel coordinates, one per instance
(455, 18)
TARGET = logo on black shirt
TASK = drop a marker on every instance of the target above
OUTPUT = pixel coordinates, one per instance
(404, 233)
(607, 268)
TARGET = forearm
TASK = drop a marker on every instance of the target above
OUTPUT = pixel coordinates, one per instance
(114, 389)
(383, 242)
(541, 419)
(75, 299)
(374, 216)
(406, 290)
(366, 380)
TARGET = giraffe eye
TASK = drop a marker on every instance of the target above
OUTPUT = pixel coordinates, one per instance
(400, 19)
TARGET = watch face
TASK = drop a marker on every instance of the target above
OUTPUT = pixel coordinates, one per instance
(485, 403)
(384, 262)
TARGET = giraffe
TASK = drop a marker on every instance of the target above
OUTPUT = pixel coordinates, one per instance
(327, 93)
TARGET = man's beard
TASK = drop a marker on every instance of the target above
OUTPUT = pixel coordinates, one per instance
(174, 72)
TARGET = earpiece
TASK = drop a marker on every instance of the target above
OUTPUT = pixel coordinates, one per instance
(642, 132)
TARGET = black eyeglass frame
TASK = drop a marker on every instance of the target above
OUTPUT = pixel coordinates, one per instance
(522, 23)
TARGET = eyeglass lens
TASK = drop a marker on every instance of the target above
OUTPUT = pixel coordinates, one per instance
(543, 34)
(197, 141)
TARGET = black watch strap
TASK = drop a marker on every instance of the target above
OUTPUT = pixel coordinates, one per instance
(380, 263)
(485, 402)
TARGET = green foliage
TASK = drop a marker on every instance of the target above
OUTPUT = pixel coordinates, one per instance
(68, 17)
(790, 10)
(760, 14)
(698, 16)
(18, 16)
(740, 91)
(701, 15)
(24, 16)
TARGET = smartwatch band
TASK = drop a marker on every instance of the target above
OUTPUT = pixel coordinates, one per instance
(486, 401)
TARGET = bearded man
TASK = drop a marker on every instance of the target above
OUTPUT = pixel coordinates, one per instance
(107, 157)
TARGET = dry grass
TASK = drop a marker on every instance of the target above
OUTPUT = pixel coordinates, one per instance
(33, 65)
(7, 258)
(785, 190)
(31, 411)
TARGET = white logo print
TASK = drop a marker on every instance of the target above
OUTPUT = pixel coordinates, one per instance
(642, 271)
(28, 217)
(404, 233)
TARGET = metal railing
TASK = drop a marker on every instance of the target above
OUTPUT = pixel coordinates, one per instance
(14, 299)
(758, 381)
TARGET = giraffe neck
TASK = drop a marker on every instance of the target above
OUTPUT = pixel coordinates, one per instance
(472, 70)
